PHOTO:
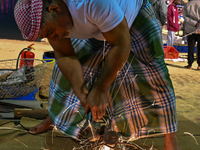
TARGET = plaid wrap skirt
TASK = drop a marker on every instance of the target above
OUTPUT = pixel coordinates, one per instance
(142, 93)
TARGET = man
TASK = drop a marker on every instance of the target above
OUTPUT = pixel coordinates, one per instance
(191, 17)
(172, 21)
(109, 60)
(160, 9)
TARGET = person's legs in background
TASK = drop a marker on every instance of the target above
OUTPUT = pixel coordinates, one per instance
(184, 39)
(198, 50)
(191, 43)
(170, 38)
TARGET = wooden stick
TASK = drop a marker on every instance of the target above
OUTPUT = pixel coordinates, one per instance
(32, 113)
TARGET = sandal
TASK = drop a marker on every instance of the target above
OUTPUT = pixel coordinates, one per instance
(188, 67)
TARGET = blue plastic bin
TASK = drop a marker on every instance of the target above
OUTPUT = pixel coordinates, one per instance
(181, 48)
(29, 97)
(49, 56)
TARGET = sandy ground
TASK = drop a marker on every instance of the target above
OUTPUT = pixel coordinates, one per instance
(186, 82)
(10, 49)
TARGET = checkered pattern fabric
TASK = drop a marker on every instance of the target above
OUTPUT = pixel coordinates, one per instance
(28, 17)
(142, 93)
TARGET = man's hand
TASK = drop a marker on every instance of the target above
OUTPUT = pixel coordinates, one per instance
(83, 96)
(97, 102)
(198, 31)
(198, 28)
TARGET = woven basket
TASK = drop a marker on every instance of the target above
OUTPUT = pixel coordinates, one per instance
(18, 81)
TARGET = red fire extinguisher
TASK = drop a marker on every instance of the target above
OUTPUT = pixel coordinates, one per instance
(27, 56)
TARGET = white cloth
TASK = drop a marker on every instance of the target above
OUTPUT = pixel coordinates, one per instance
(170, 38)
(88, 24)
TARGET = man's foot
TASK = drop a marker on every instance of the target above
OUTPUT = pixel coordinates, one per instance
(198, 68)
(44, 126)
(171, 142)
(188, 67)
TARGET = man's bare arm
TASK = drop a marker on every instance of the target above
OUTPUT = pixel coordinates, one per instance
(70, 66)
(119, 39)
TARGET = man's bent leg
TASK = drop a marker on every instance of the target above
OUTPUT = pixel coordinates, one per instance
(198, 50)
(171, 142)
(170, 38)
